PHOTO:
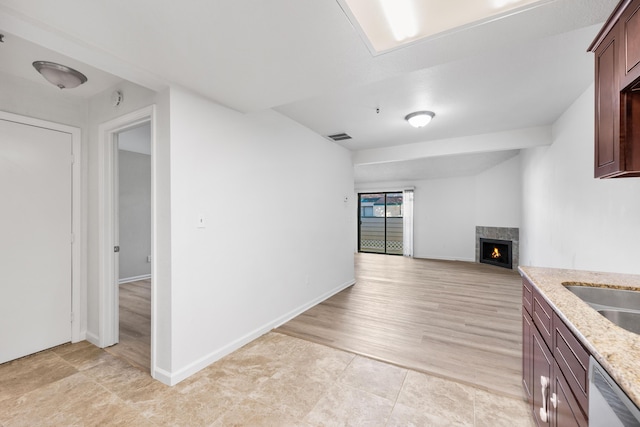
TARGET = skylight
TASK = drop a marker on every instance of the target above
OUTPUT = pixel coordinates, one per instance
(389, 24)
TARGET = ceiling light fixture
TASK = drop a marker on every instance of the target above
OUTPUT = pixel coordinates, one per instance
(60, 75)
(420, 118)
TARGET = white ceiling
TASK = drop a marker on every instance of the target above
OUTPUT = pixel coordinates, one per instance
(17, 55)
(305, 59)
(525, 85)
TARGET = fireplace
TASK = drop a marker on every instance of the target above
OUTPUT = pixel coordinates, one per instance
(496, 252)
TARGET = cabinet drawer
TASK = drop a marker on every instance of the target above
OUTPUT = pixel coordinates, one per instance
(573, 360)
(542, 317)
(527, 295)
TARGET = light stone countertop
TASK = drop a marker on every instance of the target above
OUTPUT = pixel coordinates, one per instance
(616, 349)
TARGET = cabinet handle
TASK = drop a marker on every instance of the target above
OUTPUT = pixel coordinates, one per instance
(544, 414)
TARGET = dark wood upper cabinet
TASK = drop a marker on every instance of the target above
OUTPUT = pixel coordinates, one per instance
(607, 147)
(617, 93)
(630, 39)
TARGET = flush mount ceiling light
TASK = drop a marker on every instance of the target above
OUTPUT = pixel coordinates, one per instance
(420, 118)
(60, 75)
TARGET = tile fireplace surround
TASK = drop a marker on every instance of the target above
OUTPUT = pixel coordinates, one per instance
(500, 233)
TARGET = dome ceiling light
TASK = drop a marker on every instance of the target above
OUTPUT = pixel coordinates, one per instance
(60, 75)
(420, 119)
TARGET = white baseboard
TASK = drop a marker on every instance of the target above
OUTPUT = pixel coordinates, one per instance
(444, 258)
(134, 279)
(174, 378)
(161, 375)
(93, 339)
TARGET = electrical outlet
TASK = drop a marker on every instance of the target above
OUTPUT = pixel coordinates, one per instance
(148, 258)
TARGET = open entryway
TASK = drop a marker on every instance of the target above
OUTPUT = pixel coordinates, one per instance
(134, 241)
(380, 222)
(39, 223)
(126, 245)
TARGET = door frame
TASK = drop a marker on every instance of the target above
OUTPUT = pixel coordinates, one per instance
(78, 264)
(108, 310)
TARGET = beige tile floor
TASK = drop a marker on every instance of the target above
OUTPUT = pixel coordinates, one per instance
(276, 380)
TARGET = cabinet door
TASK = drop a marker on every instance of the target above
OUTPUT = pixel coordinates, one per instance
(607, 120)
(542, 379)
(630, 42)
(566, 410)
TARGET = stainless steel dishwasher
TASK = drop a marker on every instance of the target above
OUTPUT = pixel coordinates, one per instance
(609, 406)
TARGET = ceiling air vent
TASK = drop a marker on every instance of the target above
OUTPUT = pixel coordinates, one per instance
(339, 137)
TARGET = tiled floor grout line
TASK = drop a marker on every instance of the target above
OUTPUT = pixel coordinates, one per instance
(475, 416)
(395, 402)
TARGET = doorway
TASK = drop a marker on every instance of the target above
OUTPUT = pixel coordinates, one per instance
(133, 205)
(137, 341)
(380, 219)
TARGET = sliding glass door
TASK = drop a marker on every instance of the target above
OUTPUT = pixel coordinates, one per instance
(380, 223)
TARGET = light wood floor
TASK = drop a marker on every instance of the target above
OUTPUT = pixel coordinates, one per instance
(135, 324)
(452, 319)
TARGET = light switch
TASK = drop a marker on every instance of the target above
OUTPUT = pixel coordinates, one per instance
(201, 221)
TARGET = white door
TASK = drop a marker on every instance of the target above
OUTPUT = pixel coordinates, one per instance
(35, 239)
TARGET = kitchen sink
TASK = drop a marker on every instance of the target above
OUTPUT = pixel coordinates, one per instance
(620, 306)
(607, 297)
(629, 320)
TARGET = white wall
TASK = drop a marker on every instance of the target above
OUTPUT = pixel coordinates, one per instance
(277, 235)
(444, 219)
(447, 211)
(42, 101)
(134, 214)
(498, 195)
(570, 219)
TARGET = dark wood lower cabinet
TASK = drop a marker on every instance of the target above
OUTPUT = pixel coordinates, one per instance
(568, 412)
(542, 380)
(554, 401)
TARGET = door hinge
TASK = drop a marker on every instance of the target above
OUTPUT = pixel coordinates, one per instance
(72, 317)
(73, 238)
(73, 159)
